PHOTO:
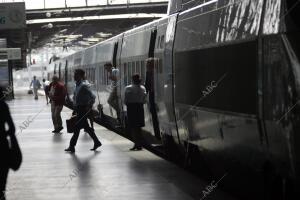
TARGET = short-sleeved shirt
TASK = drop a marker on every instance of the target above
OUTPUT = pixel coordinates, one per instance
(135, 94)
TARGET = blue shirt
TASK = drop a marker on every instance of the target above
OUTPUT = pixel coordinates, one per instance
(83, 96)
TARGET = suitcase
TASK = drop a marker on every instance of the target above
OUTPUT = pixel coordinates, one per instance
(71, 124)
(30, 92)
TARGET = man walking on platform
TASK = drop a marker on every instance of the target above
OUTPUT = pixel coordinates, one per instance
(57, 95)
(135, 98)
(35, 85)
(82, 100)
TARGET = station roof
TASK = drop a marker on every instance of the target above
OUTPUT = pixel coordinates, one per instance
(85, 22)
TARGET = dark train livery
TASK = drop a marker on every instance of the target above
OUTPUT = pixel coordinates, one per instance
(226, 85)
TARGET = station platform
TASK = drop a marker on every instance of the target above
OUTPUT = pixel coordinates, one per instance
(113, 172)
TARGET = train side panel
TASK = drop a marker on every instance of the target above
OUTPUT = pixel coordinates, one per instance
(216, 100)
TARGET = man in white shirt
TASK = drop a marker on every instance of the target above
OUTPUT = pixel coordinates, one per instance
(135, 98)
(36, 85)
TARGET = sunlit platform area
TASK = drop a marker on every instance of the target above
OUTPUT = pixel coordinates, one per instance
(113, 172)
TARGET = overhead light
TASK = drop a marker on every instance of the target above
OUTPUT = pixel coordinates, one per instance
(102, 17)
(74, 36)
(92, 39)
(62, 31)
(103, 35)
(84, 43)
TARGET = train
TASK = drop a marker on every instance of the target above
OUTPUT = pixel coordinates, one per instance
(226, 89)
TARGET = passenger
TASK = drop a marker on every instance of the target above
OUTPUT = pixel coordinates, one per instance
(90, 116)
(83, 100)
(135, 97)
(113, 99)
(5, 119)
(36, 85)
(57, 96)
(46, 89)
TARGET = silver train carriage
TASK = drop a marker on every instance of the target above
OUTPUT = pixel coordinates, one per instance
(226, 89)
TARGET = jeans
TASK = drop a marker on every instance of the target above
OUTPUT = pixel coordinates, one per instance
(82, 123)
(35, 92)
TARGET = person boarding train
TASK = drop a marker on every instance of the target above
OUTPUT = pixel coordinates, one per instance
(135, 98)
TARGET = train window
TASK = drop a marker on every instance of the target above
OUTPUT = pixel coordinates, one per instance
(129, 72)
(137, 66)
(160, 67)
(157, 43)
(125, 74)
(103, 75)
(143, 70)
(162, 42)
(133, 68)
(93, 75)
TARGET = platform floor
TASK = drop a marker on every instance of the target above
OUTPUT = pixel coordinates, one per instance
(113, 172)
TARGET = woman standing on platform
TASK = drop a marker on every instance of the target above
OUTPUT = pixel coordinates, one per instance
(135, 98)
(5, 151)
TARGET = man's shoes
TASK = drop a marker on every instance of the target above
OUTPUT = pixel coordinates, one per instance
(70, 149)
(139, 148)
(58, 130)
(136, 148)
(96, 146)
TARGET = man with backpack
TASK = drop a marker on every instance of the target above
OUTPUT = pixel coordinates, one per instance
(57, 95)
(83, 100)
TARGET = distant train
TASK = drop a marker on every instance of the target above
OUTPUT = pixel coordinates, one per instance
(226, 86)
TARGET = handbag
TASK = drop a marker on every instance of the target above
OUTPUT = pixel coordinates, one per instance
(71, 123)
(15, 154)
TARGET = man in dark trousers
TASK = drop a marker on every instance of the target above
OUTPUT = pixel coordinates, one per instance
(57, 95)
(135, 97)
(82, 100)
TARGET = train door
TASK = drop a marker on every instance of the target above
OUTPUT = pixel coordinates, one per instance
(150, 82)
(114, 61)
(118, 86)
